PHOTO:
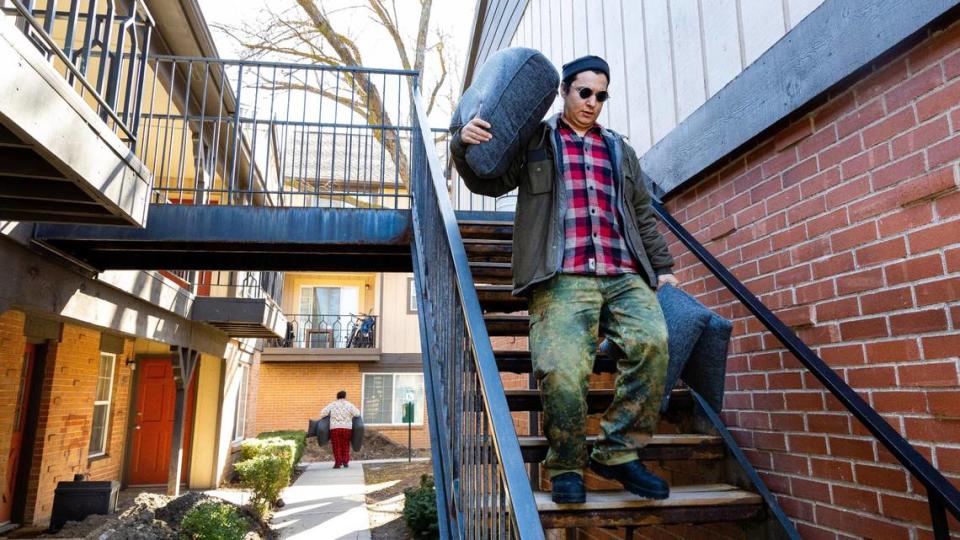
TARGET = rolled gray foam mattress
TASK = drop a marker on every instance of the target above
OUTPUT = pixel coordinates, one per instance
(512, 91)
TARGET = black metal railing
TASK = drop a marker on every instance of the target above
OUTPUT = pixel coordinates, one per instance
(230, 284)
(100, 47)
(483, 490)
(328, 331)
(234, 132)
(942, 496)
(239, 284)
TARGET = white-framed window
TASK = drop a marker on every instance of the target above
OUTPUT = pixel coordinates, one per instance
(240, 408)
(384, 395)
(411, 296)
(101, 405)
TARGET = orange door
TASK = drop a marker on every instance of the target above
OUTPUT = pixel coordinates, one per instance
(153, 427)
(16, 438)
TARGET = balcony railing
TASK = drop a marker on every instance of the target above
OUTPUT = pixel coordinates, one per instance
(233, 132)
(100, 49)
(230, 284)
(329, 331)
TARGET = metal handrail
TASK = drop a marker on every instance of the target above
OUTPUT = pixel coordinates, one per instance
(483, 487)
(128, 120)
(941, 494)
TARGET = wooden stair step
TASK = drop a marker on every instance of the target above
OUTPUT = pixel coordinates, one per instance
(597, 400)
(487, 250)
(491, 272)
(687, 504)
(500, 298)
(498, 230)
(663, 447)
(519, 362)
(499, 324)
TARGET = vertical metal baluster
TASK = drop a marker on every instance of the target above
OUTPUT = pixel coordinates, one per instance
(88, 36)
(304, 141)
(105, 43)
(383, 150)
(333, 151)
(72, 18)
(184, 134)
(938, 516)
(318, 174)
(141, 75)
(233, 183)
(252, 166)
(146, 145)
(164, 155)
(217, 143)
(200, 153)
(282, 142)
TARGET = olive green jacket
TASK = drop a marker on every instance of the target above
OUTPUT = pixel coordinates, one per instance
(538, 237)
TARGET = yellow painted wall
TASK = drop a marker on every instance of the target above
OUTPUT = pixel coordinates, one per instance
(203, 457)
(400, 331)
(293, 281)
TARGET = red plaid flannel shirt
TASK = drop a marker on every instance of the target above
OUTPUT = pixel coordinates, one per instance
(593, 241)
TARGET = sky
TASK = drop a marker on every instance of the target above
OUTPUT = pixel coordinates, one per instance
(454, 16)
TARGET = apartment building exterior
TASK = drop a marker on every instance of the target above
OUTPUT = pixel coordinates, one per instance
(812, 147)
(356, 332)
(137, 376)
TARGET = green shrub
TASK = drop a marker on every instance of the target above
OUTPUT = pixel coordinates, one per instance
(265, 475)
(420, 509)
(298, 437)
(214, 521)
(275, 446)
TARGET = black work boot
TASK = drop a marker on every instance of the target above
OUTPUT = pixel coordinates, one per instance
(568, 488)
(635, 477)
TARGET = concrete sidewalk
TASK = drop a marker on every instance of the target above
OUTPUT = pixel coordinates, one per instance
(325, 503)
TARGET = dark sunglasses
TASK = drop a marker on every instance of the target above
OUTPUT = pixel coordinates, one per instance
(585, 93)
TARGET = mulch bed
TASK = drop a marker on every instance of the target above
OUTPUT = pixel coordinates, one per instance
(386, 520)
(375, 446)
(150, 516)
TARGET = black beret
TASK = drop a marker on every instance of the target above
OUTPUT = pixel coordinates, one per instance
(584, 63)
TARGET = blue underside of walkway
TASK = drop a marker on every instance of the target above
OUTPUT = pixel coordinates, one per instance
(180, 237)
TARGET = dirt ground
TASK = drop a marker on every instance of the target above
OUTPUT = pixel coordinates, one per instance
(385, 503)
(147, 516)
(375, 446)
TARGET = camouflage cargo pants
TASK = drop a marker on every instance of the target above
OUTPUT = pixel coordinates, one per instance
(567, 314)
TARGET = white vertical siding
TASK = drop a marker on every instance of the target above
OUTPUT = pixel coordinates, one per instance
(637, 93)
(721, 43)
(656, 29)
(687, 57)
(617, 110)
(798, 9)
(666, 56)
(762, 24)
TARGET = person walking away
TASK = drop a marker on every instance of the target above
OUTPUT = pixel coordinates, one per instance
(588, 254)
(341, 413)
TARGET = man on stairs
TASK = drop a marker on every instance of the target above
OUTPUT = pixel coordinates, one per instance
(587, 252)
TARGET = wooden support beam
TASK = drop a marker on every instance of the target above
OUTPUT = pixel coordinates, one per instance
(184, 363)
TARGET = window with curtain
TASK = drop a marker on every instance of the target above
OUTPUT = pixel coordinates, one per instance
(385, 393)
(325, 315)
(101, 405)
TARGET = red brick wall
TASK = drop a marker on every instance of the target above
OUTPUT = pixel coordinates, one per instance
(291, 393)
(12, 342)
(66, 413)
(847, 225)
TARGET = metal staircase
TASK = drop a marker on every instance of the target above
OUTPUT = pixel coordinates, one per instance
(487, 477)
